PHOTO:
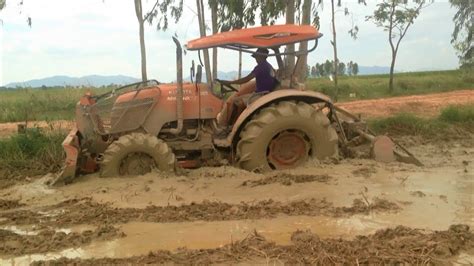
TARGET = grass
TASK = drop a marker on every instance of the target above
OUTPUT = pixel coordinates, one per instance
(450, 123)
(376, 86)
(39, 104)
(58, 103)
(32, 153)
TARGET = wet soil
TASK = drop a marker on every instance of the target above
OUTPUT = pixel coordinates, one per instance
(286, 179)
(399, 245)
(86, 211)
(51, 240)
(358, 211)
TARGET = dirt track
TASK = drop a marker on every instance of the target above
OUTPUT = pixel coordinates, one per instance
(352, 211)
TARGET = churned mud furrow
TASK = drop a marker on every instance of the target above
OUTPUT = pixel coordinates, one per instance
(89, 212)
(399, 245)
(287, 179)
(50, 240)
(9, 204)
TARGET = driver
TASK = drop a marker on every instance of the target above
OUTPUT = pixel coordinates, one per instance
(259, 82)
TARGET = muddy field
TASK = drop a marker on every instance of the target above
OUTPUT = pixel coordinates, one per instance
(348, 211)
(351, 211)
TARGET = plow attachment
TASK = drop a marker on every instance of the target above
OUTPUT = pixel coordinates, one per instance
(72, 149)
(383, 148)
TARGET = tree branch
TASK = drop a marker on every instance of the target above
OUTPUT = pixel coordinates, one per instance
(152, 10)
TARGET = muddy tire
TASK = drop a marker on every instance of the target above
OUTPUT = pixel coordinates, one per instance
(285, 135)
(136, 154)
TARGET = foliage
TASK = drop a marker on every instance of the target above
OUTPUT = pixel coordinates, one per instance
(327, 68)
(453, 121)
(374, 86)
(463, 31)
(161, 10)
(34, 153)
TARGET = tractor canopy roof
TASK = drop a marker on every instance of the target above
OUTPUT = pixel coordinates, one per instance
(258, 37)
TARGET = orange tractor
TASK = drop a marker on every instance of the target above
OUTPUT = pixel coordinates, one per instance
(133, 129)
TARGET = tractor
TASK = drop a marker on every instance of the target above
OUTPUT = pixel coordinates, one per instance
(148, 125)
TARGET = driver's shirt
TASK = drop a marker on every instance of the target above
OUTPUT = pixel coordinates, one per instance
(264, 77)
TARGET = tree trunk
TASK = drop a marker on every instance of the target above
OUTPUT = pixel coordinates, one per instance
(138, 11)
(303, 62)
(240, 64)
(290, 19)
(214, 31)
(202, 29)
(334, 46)
(392, 68)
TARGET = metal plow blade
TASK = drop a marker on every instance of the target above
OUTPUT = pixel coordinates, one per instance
(71, 148)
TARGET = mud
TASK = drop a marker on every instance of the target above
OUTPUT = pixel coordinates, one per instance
(51, 240)
(86, 211)
(9, 204)
(286, 179)
(399, 245)
(348, 211)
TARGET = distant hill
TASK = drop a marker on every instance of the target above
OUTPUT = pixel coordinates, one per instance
(91, 80)
(98, 80)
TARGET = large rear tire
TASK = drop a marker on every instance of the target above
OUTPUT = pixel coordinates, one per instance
(285, 135)
(136, 154)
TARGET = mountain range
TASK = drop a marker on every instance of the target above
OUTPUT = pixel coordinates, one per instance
(99, 80)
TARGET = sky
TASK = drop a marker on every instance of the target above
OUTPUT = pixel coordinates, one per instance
(78, 38)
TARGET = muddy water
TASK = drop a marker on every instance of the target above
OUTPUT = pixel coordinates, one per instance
(431, 198)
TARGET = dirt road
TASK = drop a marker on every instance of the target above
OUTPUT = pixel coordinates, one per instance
(354, 210)
(422, 105)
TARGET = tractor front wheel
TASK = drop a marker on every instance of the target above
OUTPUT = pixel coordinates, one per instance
(285, 135)
(136, 154)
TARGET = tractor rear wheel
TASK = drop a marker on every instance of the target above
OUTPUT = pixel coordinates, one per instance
(136, 154)
(285, 135)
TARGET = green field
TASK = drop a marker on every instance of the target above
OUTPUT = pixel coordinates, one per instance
(376, 86)
(58, 103)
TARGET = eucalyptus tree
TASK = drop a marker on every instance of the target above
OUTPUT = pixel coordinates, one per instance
(463, 31)
(160, 12)
(396, 17)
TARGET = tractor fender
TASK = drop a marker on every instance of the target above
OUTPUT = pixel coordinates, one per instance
(268, 99)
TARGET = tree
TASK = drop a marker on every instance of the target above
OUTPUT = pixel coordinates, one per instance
(290, 48)
(463, 31)
(349, 68)
(328, 68)
(202, 30)
(213, 5)
(3, 4)
(355, 69)
(305, 20)
(163, 6)
(341, 69)
(396, 17)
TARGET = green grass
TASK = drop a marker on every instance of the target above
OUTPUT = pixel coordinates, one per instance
(376, 86)
(32, 153)
(39, 104)
(452, 122)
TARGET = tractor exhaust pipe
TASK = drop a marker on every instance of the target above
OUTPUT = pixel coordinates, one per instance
(179, 90)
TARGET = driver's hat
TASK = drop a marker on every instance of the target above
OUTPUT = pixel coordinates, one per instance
(261, 52)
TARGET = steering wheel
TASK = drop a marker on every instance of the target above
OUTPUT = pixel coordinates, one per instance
(225, 88)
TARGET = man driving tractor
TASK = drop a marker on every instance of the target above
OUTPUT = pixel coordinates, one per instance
(257, 83)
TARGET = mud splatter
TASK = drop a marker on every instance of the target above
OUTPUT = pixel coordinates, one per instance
(9, 204)
(50, 240)
(287, 179)
(364, 172)
(86, 211)
(399, 245)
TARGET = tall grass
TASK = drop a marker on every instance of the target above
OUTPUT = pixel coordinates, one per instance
(376, 86)
(31, 153)
(452, 122)
(39, 104)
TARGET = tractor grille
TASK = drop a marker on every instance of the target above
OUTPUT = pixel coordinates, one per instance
(109, 117)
